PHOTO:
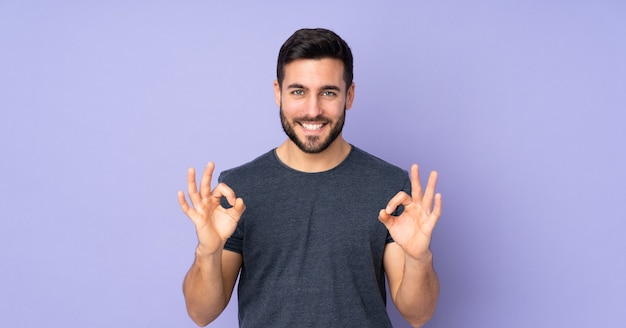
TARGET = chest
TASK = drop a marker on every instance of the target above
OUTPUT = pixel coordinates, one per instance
(314, 220)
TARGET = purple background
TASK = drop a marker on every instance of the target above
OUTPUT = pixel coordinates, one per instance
(519, 104)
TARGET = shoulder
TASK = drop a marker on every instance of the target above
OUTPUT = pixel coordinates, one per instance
(260, 166)
(366, 170)
(374, 165)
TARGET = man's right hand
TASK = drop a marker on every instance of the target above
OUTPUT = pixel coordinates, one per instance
(214, 223)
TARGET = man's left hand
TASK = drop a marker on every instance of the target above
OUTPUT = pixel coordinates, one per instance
(412, 230)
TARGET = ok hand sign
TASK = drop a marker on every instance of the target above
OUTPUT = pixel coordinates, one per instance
(214, 223)
(412, 230)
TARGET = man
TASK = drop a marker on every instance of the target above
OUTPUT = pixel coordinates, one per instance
(313, 226)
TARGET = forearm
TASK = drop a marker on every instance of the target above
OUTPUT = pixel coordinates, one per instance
(416, 297)
(204, 290)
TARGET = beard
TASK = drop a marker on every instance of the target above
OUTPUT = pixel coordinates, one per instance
(313, 144)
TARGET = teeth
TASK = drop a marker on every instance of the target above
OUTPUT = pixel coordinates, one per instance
(310, 126)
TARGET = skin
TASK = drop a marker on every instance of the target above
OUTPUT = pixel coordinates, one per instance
(313, 101)
(313, 93)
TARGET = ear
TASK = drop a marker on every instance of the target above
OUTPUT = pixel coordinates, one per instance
(277, 94)
(350, 96)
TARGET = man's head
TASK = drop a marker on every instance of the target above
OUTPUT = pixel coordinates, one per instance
(314, 88)
(315, 43)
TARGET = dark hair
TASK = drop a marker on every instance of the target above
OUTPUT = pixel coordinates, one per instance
(314, 43)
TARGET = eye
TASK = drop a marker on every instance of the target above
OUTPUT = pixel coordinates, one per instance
(297, 92)
(328, 93)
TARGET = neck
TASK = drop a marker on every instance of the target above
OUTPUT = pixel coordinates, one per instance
(298, 160)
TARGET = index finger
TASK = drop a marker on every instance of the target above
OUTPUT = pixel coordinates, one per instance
(401, 198)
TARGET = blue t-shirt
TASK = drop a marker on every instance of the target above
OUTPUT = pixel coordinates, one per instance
(312, 244)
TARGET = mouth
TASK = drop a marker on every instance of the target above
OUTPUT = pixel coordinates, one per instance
(312, 126)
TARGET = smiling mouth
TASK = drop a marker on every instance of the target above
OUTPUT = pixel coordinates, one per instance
(311, 126)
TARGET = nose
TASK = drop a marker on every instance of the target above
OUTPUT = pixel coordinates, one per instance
(313, 106)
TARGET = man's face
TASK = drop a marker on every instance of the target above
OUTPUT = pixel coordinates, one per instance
(313, 101)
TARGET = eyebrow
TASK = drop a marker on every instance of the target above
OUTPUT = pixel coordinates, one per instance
(325, 87)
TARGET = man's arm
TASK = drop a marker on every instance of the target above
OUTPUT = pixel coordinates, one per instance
(413, 284)
(408, 261)
(209, 283)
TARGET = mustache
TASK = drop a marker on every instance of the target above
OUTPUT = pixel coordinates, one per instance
(316, 119)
